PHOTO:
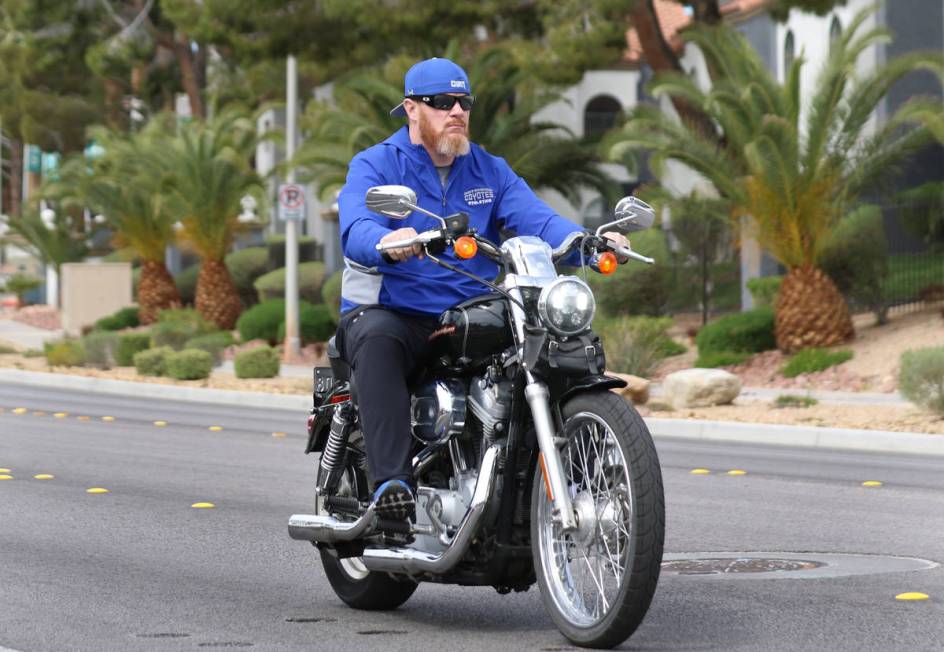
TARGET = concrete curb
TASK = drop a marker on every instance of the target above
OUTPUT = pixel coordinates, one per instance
(722, 431)
(156, 390)
(879, 441)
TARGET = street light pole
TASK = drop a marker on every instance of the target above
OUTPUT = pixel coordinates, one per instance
(292, 342)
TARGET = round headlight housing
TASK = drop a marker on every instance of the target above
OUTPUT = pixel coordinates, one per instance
(567, 306)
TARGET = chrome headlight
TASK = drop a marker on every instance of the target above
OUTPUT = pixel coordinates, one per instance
(567, 306)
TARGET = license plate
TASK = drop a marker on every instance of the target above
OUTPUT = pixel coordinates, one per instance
(324, 380)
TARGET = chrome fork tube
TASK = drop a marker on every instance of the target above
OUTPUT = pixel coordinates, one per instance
(537, 396)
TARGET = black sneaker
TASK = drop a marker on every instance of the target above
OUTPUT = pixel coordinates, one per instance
(394, 500)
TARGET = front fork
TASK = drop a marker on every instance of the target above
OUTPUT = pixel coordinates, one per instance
(537, 395)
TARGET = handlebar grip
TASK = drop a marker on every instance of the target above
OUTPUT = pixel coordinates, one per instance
(629, 253)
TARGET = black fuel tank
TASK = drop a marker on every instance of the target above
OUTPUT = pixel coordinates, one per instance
(469, 333)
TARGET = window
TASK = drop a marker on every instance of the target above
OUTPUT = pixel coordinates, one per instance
(835, 31)
(789, 52)
(600, 115)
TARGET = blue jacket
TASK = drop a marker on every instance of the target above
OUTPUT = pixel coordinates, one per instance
(482, 185)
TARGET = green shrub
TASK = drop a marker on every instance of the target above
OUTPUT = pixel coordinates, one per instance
(124, 318)
(262, 362)
(331, 293)
(245, 266)
(129, 344)
(174, 327)
(856, 257)
(636, 289)
(764, 290)
(65, 353)
(152, 362)
(921, 378)
(744, 332)
(20, 285)
(275, 244)
(315, 324)
(212, 343)
(189, 364)
(32, 353)
(635, 345)
(311, 276)
(811, 360)
(186, 282)
(101, 348)
(714, 359)
(6, 349)
(262, 321)
(792, 400)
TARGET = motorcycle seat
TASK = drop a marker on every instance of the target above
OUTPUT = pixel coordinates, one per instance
(341, 369)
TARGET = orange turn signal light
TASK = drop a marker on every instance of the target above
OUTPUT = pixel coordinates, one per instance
(607, 263)
(466, 247)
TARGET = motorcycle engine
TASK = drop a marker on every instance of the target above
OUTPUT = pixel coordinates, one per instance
(490, 402)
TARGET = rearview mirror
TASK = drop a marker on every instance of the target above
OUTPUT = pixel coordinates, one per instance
(392, 201)
(631, 214)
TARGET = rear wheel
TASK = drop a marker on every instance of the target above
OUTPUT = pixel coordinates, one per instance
(352, 582)
(597, 581)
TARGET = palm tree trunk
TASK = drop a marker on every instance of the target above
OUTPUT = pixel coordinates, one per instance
(217, 298)
(810, 311)
(156, 291)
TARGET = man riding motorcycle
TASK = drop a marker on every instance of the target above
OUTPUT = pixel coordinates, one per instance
(390, 301)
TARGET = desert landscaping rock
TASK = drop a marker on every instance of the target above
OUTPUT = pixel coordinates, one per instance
(700, 388)
(636, 390)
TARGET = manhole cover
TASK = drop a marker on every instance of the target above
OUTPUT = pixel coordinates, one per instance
(745, 565)
(785, 565)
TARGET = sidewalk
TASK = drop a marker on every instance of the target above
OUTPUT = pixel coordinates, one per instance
(735, 432)
(823, 396)
(26, 337)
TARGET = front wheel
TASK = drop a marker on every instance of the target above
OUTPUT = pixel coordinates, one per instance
(597, 581)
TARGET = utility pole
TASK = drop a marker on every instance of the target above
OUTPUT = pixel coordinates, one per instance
(292, 341)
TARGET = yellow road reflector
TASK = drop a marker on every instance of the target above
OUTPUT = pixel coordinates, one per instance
(20, 410)
(871, 483)
(203, 505)
(6, 477)
(39, 413)
(737, 472)
(84, 418)
(699, 471)
(912, 596)
(61, 415)
(108, 418)
(278, 433)
(5, 471)
(216, 428)
(44, 476)
(160, 424)
(96, 490)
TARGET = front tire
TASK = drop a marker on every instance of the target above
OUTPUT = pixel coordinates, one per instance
(598, 581)
(358, 587)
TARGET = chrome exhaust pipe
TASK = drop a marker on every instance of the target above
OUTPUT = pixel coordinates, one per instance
(327, 529)
(410, 561)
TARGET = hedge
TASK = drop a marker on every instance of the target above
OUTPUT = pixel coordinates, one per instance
(124, 318)
(65, 353)
(316, 324)
(152, 362)
(189, 364)
(128, 345)
(262, 362)
(212, 343)
(744, 332)
(331, 294)
(311, 277)
(245, 266)
(101, 348)
(921, 378)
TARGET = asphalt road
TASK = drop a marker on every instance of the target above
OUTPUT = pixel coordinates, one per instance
(138, 568)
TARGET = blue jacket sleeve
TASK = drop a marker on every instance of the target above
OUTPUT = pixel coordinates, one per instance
(361, 229)
(520, 210)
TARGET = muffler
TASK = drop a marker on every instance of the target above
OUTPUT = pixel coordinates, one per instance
(411, 562)
(327, 529)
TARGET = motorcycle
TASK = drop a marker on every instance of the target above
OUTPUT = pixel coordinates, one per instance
(527, 468)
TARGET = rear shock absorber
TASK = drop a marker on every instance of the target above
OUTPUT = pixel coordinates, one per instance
(332, 459)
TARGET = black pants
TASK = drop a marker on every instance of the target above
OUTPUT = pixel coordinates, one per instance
(383, 347)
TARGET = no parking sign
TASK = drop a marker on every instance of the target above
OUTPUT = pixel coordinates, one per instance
(291, 202)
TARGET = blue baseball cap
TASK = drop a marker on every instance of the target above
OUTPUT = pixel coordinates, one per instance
(431, 77)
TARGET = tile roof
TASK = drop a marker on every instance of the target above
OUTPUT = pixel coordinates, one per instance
(673, 19)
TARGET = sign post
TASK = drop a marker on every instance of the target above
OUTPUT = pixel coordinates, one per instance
(292, 198)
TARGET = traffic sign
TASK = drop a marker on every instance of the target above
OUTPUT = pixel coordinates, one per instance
(291, 202)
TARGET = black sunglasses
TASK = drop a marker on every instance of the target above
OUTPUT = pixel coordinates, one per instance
(445, 102)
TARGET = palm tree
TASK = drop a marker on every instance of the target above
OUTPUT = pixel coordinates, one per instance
(794, 175)
(543, 153)
(124, 186)
(209, 172)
